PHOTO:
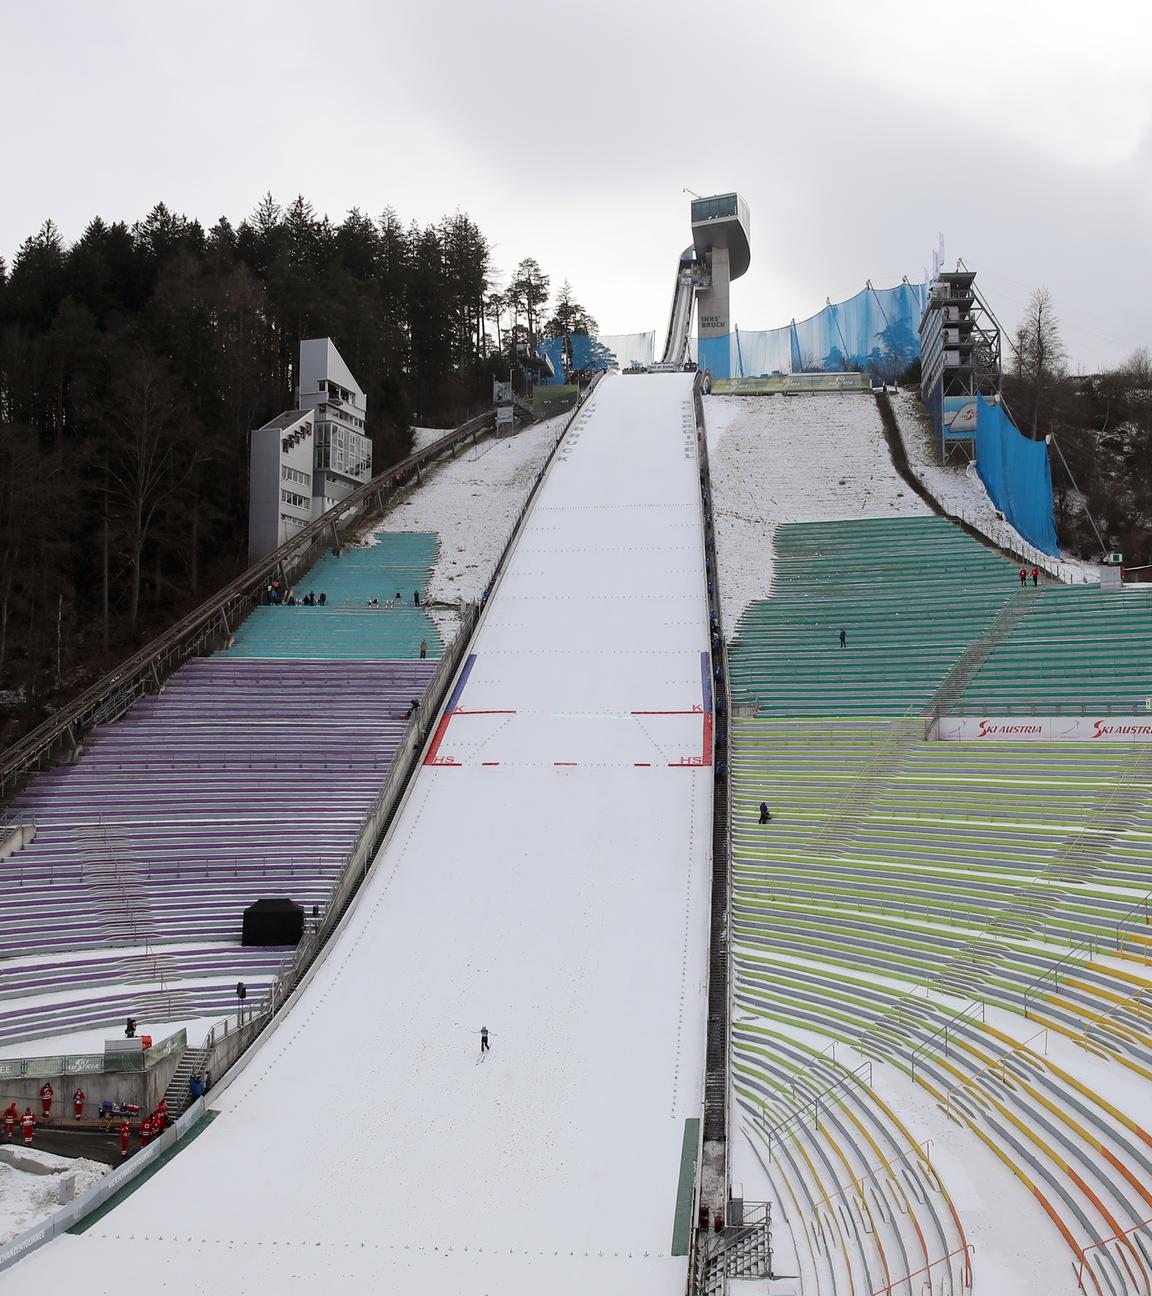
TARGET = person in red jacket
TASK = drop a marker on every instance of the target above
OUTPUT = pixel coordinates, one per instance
(146, 1131)
(78, 1103)
(160, 1116)
(125, 1137)
(11, 1116)
(27, 1124)
(47, 1093)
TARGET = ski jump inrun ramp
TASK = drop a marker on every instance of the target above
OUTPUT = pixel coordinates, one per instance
(546, 877)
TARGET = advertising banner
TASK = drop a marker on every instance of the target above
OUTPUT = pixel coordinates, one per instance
(165, 1048)
(960, 418)
(1107, 729)
(38, 1068)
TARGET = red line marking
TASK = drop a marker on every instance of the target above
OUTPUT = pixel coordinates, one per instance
(563, 762)
(489, 762)
(642, 764)
(693, 711)
(441, 729)
(461, 711)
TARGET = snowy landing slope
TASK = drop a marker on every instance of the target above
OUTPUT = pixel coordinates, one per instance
(546, 878)
(792, 459)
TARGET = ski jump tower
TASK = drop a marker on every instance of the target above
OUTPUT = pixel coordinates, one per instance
(719, 253)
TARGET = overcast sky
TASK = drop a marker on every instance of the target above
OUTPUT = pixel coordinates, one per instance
(1021, 129)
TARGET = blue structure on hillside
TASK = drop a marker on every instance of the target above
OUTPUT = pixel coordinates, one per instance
(1016, 474)
(575, 353)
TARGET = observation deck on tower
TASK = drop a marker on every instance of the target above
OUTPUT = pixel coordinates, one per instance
(721, 223)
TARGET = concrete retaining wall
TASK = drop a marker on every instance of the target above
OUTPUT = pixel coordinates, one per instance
(75, 1211)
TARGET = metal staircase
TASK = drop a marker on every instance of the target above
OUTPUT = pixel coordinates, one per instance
(968, 664)
(742, 1250)
(843, 825)
(176, 1095)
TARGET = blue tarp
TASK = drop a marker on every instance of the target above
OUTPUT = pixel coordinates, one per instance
(554, 350)
(875, 332)
(587, 353)
(1017, 475)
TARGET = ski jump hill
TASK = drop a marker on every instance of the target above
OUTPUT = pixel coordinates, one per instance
(546, 877)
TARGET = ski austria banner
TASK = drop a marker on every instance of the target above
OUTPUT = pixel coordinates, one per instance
(1109, 729)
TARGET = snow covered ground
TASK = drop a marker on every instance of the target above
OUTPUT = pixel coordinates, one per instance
(27, 1197)
(546, 877)
(424, 436)
(471, 501)
(960, 492)
(792, 459)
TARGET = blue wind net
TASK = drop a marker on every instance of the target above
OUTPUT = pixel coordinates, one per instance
(1016, 474)
(875, 332)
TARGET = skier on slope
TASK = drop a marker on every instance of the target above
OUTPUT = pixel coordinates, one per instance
(483, 1039)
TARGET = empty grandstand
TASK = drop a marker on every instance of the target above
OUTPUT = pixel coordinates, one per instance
(971, 918)
(250, 774)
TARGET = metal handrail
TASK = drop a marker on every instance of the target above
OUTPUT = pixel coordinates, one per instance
(211, 618)
(964, 1014)
(1116, 1237)
(799, 1115)
(1088, 944)
(966, 1249)
(1041, 709)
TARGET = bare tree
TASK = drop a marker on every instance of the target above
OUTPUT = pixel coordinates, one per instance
(149, 456)
(1039, 355)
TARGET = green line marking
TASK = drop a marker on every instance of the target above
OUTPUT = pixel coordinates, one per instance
(682, 1223)
(129, 1188)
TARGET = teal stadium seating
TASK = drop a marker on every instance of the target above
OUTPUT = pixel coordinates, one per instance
(910, 593)
(346, 627)
(1078, 648)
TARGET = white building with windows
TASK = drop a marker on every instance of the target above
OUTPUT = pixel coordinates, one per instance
(308, 459)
